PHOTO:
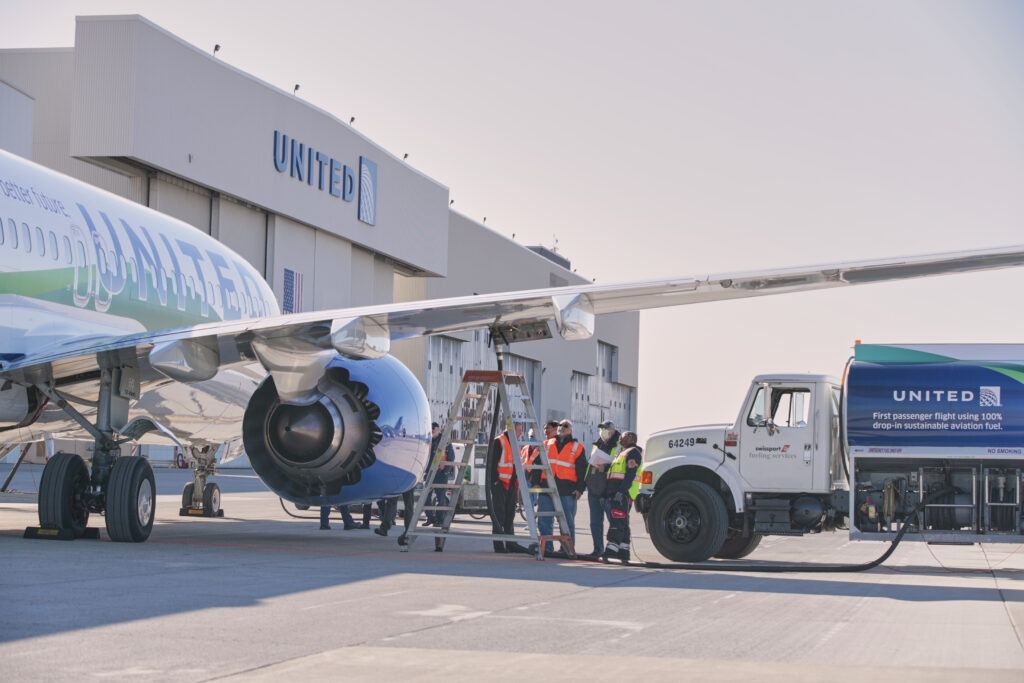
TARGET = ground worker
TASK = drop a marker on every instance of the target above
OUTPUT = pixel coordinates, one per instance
(602, 453)
(622, 486)
(569, 465)
(325, 516)
(504, 486)
(438, 497)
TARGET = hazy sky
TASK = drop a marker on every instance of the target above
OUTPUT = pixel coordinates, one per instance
(658, 139)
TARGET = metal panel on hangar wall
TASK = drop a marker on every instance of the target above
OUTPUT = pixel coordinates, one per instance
(333, 265)
(47, 76)
(292, 246)
(243, 229)
(183, 200)
(146, 95)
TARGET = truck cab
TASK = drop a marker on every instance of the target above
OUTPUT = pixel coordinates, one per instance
(716, 490)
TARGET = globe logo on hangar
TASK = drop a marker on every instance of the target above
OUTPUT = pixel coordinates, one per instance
(367, 191)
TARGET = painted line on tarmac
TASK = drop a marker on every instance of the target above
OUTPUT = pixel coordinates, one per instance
(335, 603)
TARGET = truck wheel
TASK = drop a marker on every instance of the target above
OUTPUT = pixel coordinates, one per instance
(688, 521)
(737, 546)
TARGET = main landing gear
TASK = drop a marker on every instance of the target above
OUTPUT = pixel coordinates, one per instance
(121, 488)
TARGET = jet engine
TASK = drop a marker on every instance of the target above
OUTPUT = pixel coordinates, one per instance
(366, 431)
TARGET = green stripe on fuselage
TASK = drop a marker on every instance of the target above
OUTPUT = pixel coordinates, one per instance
(55, 285)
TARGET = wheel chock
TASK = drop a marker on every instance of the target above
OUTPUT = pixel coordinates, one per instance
(198, 512)
(59, 534)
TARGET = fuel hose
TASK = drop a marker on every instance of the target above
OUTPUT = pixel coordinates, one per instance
(806, 569)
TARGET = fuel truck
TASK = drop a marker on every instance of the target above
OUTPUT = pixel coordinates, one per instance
(923, 438)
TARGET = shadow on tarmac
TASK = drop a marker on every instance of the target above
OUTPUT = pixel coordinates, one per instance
(193, 564)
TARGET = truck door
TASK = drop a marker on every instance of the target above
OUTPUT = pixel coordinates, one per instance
(776, 438)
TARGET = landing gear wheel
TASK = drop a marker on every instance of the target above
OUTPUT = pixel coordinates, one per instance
(688, 522)
(131, 500)
(186, 495)
(736, 547)
(211, 500)
(65, 478)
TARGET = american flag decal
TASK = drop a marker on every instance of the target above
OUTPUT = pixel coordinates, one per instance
(292, 292)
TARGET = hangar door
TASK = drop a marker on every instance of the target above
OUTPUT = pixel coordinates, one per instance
(444, 369)
(584, 414)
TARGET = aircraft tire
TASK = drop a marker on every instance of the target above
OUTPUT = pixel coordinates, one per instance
(211, 500)
(131, 500)
(186, 495)
(65, 478)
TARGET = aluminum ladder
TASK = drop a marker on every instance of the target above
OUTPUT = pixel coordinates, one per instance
(506, 386)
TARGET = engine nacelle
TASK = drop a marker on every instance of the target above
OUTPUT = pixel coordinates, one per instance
(366, 436)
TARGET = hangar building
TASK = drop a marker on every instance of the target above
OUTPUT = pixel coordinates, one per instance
(330, 218)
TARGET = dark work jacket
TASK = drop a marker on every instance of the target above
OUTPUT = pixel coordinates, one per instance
(443, 473)
(595, 478)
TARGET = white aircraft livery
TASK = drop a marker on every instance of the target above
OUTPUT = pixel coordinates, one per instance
(120, 324)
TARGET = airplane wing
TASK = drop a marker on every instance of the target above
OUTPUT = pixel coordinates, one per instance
(194, 353)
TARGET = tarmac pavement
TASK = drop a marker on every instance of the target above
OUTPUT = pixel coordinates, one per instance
(260, 594)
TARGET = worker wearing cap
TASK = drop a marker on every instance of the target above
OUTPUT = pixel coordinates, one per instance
(569, 465)
(504, 486)
(602, 453)
(622, 487)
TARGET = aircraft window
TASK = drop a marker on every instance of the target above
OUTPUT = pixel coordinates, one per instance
(54, 254)
(233, 299)
(40, 241)
(12, 230)
(81, 255)
(67, 250)
(1, 231)
(191, 287)
(135, 271)
(26, 237)
(211, 294)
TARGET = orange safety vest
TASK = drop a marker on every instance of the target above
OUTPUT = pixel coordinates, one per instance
(563, 463)
(506, 468)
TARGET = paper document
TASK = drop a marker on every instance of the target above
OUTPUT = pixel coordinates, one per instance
(599, 457)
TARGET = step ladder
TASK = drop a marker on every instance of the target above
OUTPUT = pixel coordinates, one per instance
(478, 386)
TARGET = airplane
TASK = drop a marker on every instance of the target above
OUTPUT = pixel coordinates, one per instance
(120, 324)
